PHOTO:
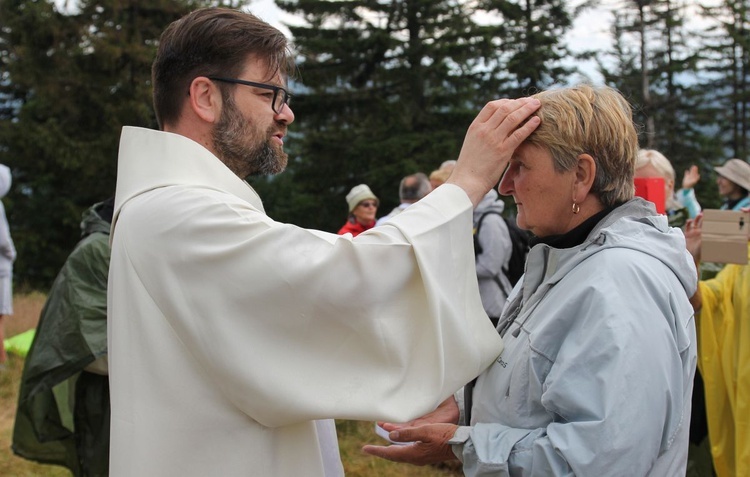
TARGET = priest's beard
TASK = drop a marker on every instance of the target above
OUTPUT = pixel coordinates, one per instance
(245, 149)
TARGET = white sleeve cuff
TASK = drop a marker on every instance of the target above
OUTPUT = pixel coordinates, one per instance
(458, 440)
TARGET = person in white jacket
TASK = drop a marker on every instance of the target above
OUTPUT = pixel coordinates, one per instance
(596, 375)
(7, 257)
(234, 339)
(492, 248)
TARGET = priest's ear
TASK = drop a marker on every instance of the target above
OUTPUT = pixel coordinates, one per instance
(204, 100)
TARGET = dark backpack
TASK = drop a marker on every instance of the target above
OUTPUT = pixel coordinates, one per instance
(519, 240)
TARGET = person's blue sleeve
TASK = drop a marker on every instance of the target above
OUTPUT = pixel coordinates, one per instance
(686, 197)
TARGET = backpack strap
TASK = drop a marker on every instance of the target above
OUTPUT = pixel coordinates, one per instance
(478, 248)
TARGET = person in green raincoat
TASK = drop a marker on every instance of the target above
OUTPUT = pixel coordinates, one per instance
(63, 405)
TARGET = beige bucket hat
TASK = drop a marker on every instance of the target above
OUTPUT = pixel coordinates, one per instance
(358, 194)
(737, 171)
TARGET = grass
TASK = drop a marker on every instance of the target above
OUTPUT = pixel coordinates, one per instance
(26, 309)
(352, 434)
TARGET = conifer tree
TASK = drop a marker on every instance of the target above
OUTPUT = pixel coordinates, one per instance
(70, 81)
(527, 38)
(655, 66)
(726, 62)
(388, 88)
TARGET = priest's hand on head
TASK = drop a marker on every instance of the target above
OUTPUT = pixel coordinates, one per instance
(499, 128)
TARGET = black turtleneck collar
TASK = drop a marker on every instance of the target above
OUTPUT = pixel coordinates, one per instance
(730, 204)
(576, 236)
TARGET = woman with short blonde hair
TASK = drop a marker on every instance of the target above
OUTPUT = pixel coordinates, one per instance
(596, 373)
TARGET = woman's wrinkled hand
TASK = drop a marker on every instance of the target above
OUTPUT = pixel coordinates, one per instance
(429, 445)
(446, 413)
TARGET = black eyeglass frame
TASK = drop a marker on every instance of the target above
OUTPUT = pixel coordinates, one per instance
(286, 96)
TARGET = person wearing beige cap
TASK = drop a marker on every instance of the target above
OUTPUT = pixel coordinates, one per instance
(734, 183)
(363, 205)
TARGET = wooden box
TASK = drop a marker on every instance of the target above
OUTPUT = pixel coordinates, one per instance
(725, 236)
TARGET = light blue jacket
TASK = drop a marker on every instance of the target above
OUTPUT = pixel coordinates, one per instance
(745, 202)
(600, 352)
(687, 199)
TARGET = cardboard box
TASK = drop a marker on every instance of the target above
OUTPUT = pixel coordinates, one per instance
(725, 236)
(651, 189)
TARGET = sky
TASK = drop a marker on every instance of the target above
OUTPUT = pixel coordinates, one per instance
(590, 29)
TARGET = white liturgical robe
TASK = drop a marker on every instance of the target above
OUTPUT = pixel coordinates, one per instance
(230, 334)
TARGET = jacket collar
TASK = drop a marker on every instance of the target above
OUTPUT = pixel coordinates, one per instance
(151, 159)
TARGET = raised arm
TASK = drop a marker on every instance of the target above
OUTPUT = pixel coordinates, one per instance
(693, 229)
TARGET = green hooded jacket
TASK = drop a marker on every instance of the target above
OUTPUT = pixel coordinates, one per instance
(63, 411)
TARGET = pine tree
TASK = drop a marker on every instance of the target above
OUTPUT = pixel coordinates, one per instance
(727, 62)
(655, 66)
(70, 82)
(388, 88)
(527, 38)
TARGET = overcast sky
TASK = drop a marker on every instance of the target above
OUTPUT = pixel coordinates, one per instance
(590, 30)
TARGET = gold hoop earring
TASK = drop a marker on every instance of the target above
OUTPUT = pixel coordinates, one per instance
(576, 208)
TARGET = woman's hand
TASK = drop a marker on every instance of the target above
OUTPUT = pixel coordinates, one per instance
(431, 432)
(430, 445)
(446, 412)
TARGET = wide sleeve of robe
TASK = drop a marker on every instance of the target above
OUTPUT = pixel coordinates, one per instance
(294, 324)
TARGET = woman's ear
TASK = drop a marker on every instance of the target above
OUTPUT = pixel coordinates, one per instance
(205, 99)
(584, 179)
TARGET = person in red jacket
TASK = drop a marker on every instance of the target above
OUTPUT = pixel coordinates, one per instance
(363, 205)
